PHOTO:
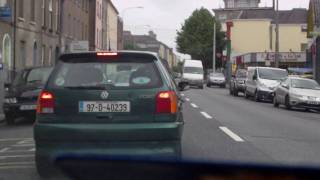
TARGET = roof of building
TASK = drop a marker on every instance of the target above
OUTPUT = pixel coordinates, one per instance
(294, 16)
(114, 7)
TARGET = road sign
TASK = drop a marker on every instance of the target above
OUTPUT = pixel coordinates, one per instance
(79, 46)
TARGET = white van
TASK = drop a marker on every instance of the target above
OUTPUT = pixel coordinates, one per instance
(262, 81)
(192, 74)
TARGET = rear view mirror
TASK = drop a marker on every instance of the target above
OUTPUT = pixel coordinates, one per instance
(177, 75)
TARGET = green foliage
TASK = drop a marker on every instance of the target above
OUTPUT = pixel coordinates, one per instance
(196, 37)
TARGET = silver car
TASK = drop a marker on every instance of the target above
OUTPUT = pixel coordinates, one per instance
(216, 79)
(298, 92)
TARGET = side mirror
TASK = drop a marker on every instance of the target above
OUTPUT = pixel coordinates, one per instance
(285, 86)
(176, 75)
(7, 86)
(254, 77)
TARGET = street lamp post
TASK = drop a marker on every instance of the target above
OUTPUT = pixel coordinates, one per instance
(214, 47)
(276, 55)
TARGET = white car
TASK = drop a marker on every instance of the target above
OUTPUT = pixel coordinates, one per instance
(192, 74)
(298, 92)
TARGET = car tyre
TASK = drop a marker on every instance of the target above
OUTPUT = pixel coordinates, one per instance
(256, 96)
(246, 95)
(235, 92)
(201, 87)
(208, 85)
(10, 120)
(275, 102)
(287, 103)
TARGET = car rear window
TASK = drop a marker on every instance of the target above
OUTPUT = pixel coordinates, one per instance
(110, 74)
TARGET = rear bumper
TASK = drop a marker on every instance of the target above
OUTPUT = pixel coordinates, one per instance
(305, 105)
(108, 139)
(241, 87)
(193, 82)
(14, 109)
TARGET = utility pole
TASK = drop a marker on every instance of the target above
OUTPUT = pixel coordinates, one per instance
(214, 47)
(276, 56)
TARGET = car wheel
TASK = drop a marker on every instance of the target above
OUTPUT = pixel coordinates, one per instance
(235, 92)
(275, 102)
(10, 120)
(287, 102)
(201, 87)
(208, 85)
(256, 97)
(246, 95)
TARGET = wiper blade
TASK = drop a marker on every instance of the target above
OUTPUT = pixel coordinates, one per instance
(86, 87)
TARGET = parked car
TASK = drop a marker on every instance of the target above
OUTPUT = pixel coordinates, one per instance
(238, 82)
(140, 115)
(216, 79)
(298, 92)
(192, 74)
(21, 96)
(262, 81)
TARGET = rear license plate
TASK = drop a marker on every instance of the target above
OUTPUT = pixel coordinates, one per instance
(28, 107)
(103, 106)
(313, 103)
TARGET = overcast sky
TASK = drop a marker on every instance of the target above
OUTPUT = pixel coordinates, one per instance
(166, 16)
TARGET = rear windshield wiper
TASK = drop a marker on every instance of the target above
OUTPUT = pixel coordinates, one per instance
(86, 87)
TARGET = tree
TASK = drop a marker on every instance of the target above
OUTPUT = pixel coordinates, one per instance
(196, 37)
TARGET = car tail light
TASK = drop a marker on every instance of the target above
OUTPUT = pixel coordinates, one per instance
(45, 103)
(166, 102)
(107, 54)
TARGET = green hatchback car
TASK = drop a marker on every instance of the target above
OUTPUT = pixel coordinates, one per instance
(108, 103)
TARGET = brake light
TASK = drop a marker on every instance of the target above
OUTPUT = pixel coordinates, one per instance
(107, 54)
(45, 103)
(166, 102)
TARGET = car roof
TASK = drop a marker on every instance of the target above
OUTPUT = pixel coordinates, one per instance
(260, 67)
(120, 52)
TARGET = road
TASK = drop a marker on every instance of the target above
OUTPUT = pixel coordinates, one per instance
(219, 127)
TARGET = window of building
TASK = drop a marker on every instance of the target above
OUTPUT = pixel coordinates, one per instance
(271, 36)
(43, 54)
(3, 3)
(43, 7)
(50, 56)
(57, 15)
(50, 8)
(82, 31)
(74, 28)
(23, 53)
(35, 54)
(33, 10)
(304, 47)
(304, 28)
(6, 45)
(69, 25)
(21, 9)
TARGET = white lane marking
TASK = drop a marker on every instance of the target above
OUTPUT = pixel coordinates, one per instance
(16, 163)
(27, 141)
(16, 156)
(22, 145)
(182, 94)
(187, 99)
(231, 134)
(17, 167)
(4, 150)
(15, 139)
(206, 115)
(193, 105)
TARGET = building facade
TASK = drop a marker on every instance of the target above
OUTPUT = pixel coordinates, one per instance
(253, 36)
(95, 25)
(120, 34)
(112, 26)
(74, 23)
(150, 43)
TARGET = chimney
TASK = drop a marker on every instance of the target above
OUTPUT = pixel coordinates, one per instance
(152, 34)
